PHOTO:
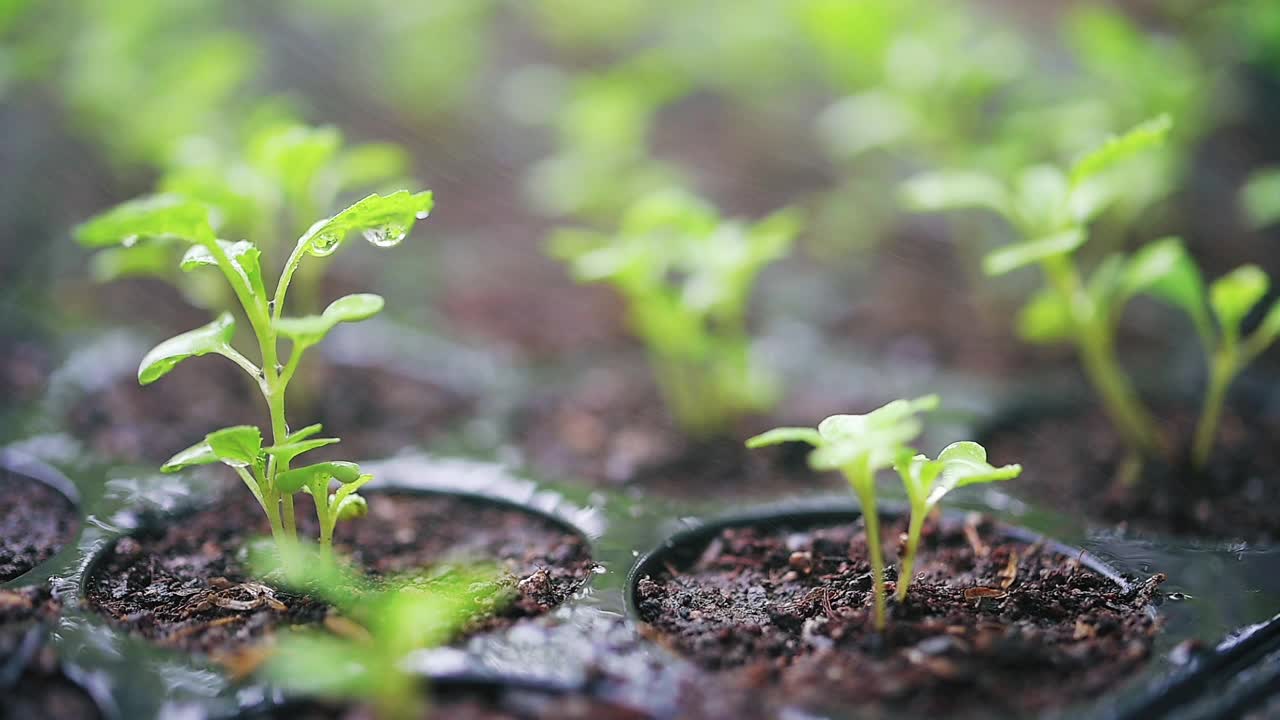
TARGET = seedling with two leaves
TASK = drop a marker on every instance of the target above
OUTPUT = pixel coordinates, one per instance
(265, 469)
(860, 446)
(687, 276)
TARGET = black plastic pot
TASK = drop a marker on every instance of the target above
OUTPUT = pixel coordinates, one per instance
(29, 469)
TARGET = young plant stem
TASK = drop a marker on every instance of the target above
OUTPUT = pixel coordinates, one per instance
(1221, 371)
(1097, 351)
(906, 572)
(864, 487)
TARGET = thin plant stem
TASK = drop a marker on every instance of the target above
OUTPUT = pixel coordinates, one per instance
(1221, 371)
(906, 573)
(864, 488)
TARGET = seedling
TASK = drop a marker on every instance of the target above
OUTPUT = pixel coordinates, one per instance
(687, 275)
(380, 622)
(1050, 210)
(1166, 271)
(859, 446)
(265, 469)
(928, 481)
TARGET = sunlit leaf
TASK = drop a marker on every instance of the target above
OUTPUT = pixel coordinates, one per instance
(1233, 295)
(1165, 270)
(198, 454)
(285, 452)
(778, 436)
(1012, 257)
(146, 259)
(212, 338)
(153, 216)
(1149, 134)
(965, 463)
(954, 190)
(311, 329)
(384, 220)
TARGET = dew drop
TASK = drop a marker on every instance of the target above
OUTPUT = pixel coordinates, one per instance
(129, 241)
(386, 236)
(325, 243)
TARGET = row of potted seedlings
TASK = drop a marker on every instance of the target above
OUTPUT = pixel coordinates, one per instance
(294, 578)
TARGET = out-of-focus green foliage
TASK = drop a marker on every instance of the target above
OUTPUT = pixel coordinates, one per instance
(1260, 198)
(1050, 210)
(1166, 271)
(687, 277)
(382, 621)
(859, 446)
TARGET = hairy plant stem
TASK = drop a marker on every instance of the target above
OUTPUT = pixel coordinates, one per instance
(1222, 368)
(863, 482)
(905, 573)
(1091, 328)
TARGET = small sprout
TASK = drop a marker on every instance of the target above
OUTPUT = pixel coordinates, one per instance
(1051, 208)
(1166, 271)
(859, 446)
(384, 220)
(687, 276)
(382, 620)
(928, 481)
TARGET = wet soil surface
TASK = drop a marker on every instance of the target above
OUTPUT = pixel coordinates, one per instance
(35, 522)
(611, 429)
(32, 684)
(990, 626)
(375, 411)
(1074, 461)
(185, 585)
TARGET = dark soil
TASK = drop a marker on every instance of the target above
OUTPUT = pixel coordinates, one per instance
(375, 411)
(35, 522)
(612, 429)
(991, 626)
(185, 585)
(1074, 460)
(34, 686)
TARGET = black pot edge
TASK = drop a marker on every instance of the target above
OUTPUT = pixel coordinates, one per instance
(28, 467)
(473, 681)
(801, 514)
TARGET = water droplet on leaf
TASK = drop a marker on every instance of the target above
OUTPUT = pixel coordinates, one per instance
(386, 236)
(325, 243)
(129, 241)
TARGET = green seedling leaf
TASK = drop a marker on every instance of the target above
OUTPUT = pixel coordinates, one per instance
(874, 438)
(1041, 202)
(199, 255)
(317, 475)
(198, 454)
(954, 190)
(1149, 134)
(303, 434)
(350, 507)
(965, 463)
(237, 446)
(311, 329)
(146, 260)
(212, 338)
(1165, 270)
(777, 436)
(1012, 257)
(1233, 295)
(1045, 319)
(1260, 198)
(153, 216)
(384, 220)
(287, 451)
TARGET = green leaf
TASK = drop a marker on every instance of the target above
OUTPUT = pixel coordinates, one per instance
(244, 256)
(351, 507)
(778, 436)
(1045, 319)
(153, 216)
(237, 446)
(1165, 270)
(1012, 257)
(954, 190)
(285, 452)
(311, 329)
(1042, 199)
(876, 438)
(1260, 198)
(1267, 332)
(384, 220)
(317, 476)
(212, 338)
(148, 259)
(367, 165)
(198, 454)
(1233, 295)
(965, 463)
(303, 434)
(1149, 134)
